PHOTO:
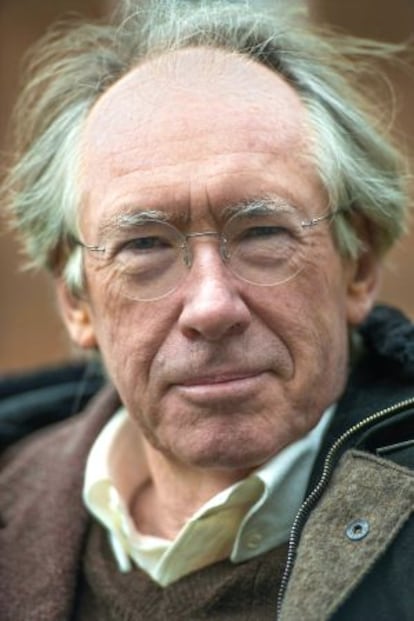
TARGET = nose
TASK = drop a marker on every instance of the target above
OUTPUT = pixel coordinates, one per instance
(213, 307)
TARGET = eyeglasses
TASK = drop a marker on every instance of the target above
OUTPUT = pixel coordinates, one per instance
(151, 258)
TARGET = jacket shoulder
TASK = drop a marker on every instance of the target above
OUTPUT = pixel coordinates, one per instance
(33, 400)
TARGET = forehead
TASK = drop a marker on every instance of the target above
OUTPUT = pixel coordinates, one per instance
(204, 82)
(192, 118)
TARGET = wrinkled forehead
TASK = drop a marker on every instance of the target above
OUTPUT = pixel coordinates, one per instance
(163, 95)
(184, 122)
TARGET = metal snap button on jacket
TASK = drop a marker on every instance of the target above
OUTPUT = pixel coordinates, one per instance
(357, 529)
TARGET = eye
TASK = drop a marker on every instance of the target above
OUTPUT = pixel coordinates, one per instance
(264, 232)
(144, 244)
(145, 255)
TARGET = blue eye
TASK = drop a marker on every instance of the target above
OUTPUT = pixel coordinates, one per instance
(264, 231)
(145, 244)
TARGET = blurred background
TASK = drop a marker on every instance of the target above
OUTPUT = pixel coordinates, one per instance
(30, 330)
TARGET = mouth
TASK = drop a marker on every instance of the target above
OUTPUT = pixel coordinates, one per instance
(219, 378)
(221, 386)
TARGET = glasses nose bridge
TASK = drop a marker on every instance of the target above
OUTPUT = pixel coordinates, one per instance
(187, 251)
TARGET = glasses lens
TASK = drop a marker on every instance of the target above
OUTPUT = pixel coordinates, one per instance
(148, 261)
(265, 249)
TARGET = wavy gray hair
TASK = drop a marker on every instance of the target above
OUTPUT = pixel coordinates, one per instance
(73, 66)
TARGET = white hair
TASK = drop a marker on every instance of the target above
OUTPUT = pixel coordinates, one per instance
(360, 169)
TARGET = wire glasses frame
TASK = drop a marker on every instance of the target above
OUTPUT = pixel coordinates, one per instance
(152, 257)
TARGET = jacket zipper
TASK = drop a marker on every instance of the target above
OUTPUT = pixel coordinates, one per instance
(317, 491)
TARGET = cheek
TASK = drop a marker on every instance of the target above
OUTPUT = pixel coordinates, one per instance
(309, 315)
(130, 335)
(326, 304)
(322, 300)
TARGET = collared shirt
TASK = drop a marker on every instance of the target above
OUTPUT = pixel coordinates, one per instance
(248, 518)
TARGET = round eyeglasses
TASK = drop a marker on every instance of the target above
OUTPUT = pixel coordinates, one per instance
(151, 258)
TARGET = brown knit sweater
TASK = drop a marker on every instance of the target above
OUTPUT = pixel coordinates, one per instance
(222, 592)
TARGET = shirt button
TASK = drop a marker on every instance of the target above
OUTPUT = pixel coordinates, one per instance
(253, 540)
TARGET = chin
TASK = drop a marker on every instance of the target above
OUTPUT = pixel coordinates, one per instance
(225, 454)
(228, 441)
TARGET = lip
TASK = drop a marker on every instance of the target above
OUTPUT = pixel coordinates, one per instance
(219, 378)
(221, 386)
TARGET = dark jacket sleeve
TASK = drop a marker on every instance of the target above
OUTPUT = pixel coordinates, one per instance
(32, 400)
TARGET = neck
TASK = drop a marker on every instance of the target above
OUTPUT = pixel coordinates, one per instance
(174, 493)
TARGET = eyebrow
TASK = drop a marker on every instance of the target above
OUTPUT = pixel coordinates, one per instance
(250, 207)
(130, 218)
(259, 206)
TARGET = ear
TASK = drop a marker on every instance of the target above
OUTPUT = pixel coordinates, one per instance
(362, 285)
(77, 316)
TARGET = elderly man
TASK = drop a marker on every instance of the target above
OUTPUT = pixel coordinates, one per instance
(214, 205)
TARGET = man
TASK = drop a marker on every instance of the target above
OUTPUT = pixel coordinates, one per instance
(214, 207)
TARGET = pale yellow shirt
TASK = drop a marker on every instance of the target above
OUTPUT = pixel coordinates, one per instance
(243, 521)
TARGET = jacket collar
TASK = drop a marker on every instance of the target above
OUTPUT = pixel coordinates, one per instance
(381, 377)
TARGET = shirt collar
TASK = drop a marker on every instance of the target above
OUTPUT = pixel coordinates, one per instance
(270, 496)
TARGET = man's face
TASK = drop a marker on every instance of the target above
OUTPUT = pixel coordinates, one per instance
(220, 373)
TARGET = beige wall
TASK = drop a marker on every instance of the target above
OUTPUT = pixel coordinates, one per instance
(30, 331)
